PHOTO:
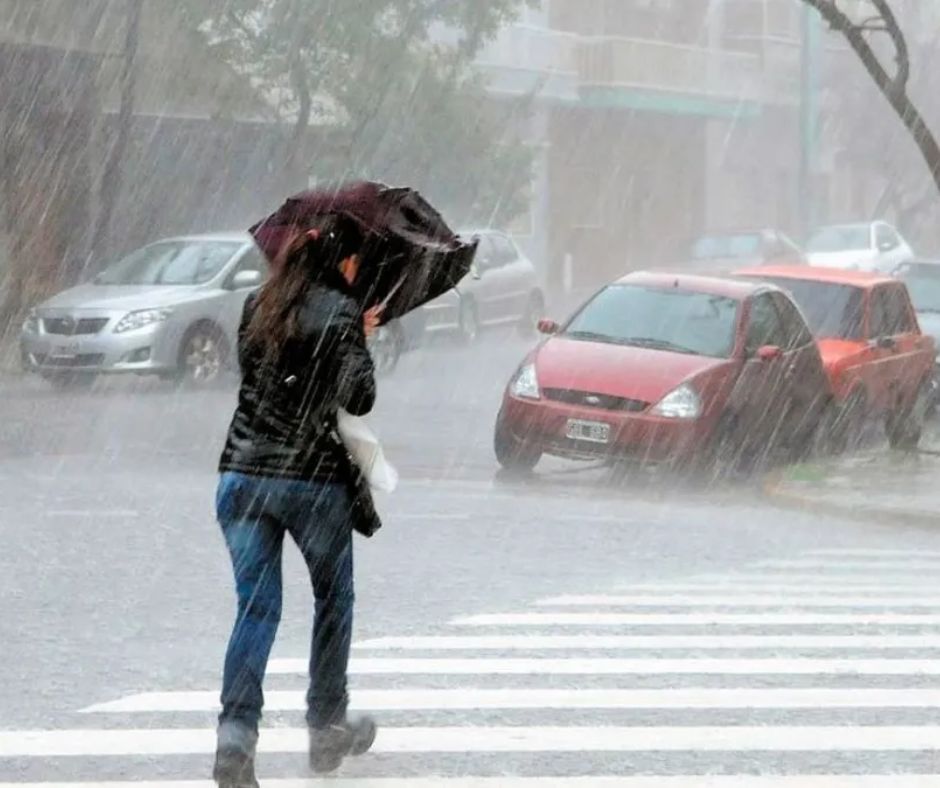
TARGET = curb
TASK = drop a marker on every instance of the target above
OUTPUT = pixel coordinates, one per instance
(774, 491)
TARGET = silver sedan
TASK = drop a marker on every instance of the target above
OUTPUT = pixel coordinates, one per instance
(171, 308)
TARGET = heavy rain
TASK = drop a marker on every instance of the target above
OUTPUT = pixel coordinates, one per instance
(579, 357)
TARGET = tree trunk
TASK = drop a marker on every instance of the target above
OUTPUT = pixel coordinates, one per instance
(111, 177)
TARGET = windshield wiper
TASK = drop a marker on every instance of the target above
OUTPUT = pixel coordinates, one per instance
(592, 336)
(659, 344)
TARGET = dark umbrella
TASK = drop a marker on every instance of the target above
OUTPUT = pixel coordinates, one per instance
(411, 256)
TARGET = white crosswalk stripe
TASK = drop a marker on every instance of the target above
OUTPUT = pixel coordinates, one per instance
(730, 678)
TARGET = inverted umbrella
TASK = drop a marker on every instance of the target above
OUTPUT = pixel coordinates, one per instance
(410, 256)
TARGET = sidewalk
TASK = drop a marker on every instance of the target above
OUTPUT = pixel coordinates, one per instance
(877, 484)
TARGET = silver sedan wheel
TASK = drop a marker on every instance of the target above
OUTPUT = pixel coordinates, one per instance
(203, 357)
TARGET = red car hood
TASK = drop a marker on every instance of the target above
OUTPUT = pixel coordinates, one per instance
(834, 351)
(616, 370)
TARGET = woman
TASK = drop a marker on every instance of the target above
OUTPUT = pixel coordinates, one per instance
(302, 353)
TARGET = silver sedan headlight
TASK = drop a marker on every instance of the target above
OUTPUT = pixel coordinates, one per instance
(141, 318)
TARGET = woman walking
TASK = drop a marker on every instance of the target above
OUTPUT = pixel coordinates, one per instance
(302, 353)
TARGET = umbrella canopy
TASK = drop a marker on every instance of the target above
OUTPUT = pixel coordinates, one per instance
(410, 256)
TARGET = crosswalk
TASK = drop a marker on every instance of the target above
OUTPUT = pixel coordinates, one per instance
(817, 671)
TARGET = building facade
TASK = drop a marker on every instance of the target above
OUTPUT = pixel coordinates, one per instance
(657, 120)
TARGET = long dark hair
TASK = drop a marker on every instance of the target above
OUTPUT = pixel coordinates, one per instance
(311, 258)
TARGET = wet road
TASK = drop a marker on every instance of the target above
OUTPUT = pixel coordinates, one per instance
(558, 627)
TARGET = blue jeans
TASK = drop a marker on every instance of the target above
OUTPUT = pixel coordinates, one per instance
(255, 512)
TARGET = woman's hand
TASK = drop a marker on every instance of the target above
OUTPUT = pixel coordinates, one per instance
(371, 319)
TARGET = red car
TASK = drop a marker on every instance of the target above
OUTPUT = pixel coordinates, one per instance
(668, 368)
(879, 363)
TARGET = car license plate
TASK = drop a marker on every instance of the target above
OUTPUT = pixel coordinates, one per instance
(66, 351)
(591, 431)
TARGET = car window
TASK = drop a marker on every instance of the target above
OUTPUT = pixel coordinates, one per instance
(764, 325)
(486, 253)
(890, 313)
(885, 237)
(171, 263)
(840, 238)
(923, 284)
(718, 247)
(504, 251)
(795, 331)
(675, 320)
(832, 311)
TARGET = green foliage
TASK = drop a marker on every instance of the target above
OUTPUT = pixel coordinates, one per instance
(399, 96)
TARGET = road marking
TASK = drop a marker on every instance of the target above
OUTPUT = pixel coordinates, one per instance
(735, 738)
(909, 579)
(645, 667)
(847, 566)
(564, 642)
(466, 699)
(794, 589)
(694, 781)
(744, 600)
(109, 513)
(685, 619)
(859, 552)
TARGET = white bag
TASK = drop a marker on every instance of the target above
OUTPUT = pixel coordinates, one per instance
(366, 451)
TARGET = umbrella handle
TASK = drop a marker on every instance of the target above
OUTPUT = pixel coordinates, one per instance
(391, 294)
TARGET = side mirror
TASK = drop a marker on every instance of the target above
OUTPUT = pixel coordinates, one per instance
(246, 279)
(548, 327)
(886, 246)
(769, 353)
(885, 343)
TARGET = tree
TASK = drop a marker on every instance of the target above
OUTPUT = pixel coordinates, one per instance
(110, 185)
(878, 19)
(393, 83)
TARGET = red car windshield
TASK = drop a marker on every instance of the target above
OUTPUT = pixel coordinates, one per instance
(680, 321)
(832, 310)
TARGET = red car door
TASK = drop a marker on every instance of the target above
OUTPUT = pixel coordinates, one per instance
(755, 400)
(910, 360)
(804, 386)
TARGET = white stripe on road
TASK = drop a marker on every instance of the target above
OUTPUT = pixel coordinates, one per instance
(694, 781)
(861, 552)
(468, 699)
(580, 666)
(908, 579)
(694, 619)
(798, 588)
(735, 738)
(847, 566)
(776, 601)
(115, 513)
(673, 642)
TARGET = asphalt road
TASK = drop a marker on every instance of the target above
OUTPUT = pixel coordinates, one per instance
(720, 635)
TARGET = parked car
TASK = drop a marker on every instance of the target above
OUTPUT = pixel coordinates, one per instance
(677, 369)
(502, 289)
(723, 252)
(171, 308)
(879, 363)
(872, 246)
(922, 278)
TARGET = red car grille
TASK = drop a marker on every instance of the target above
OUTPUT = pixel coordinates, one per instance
(587, 399)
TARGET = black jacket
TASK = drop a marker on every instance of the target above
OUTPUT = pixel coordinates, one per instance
(285, 422)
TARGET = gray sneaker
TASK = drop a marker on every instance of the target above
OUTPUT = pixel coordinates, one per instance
(329, 745)
(235, 756)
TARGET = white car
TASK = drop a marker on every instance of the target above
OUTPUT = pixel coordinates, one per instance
(502, 289)
(872, 246)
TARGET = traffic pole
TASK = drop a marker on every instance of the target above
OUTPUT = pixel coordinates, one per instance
(810, 36)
